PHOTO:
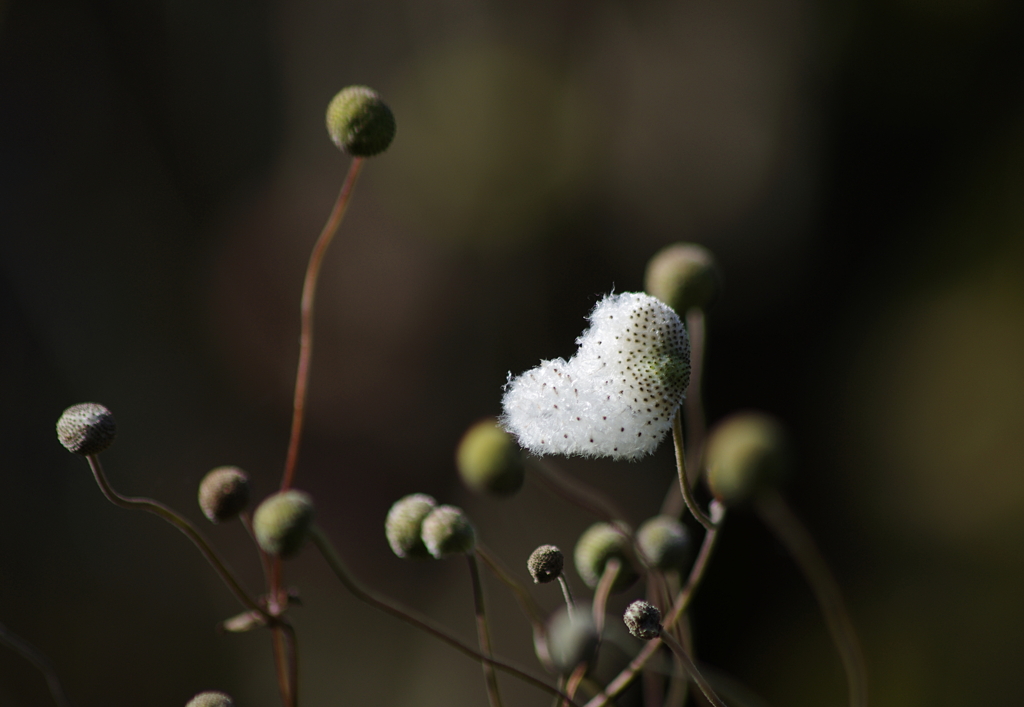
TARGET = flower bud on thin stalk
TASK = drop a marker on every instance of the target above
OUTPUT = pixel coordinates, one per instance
(211, 699)
(224, 493)
(545, 565)
(404, 525)
(489, 461)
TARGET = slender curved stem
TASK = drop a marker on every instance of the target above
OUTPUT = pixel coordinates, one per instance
(691, 668)
(526, 601)
(575, 492)
(40, 661)
(693, 406)
(570, 603)
(424, 624)
(316, 259)
(684, 480)
(148, 504)
(482, 633)
(778, 516)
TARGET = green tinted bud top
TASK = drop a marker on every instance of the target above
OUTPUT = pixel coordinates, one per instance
(86, 428)
(447, 531)
(545, 564)
(643, 620)
(404, 525)
(224, 493)
(747, 454)
(682, 276)
(598, 544)
(664, 542)
(282, 522)
(489, 460)
(211, 699)
(572, 641)
(359, 122)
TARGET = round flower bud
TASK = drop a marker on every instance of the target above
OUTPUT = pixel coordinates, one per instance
(404, 525)
(664, 542)
(86, 428)
(747, 454)
(545, 564)
(359, 122)
(643, 620)
(224, 493)
(682, 276)
(282, 522)
(211, 699)
(572, 641)
(447, 531)
(489, 460)
(598, 544)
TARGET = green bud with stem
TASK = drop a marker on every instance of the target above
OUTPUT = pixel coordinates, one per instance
(683, 276)
(447, 531)
(489, 460)
(747, 454)
(404, 525)
(665, 543)
(359, 122)
(600, 543)
(282, 522)
(224, 493)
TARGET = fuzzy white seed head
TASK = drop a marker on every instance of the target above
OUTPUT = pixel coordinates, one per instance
(617, 396)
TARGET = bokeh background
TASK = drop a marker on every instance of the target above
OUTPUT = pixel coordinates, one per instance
(857, 167)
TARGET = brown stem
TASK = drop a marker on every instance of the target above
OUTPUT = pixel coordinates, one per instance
(575, 492)
(482, 634)
(691, 668)
(316, 259)
(684, 479)
(420, 622)
(777, 515)
(147, 504)
(693, 406)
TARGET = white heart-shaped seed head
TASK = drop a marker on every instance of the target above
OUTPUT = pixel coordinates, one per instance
(617, 396)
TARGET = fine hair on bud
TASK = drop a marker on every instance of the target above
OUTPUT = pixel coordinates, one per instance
(404, 525)
(600, 543)
(447, 531)
(747, 454)
(643, 620)
(545, 564)
(489, 460)
(665, 543)
(282, 522)
(211, 698)
(359, 122)
(617, 396)
(683, 276)
(572, 639)
(86, 428)
(224, 493)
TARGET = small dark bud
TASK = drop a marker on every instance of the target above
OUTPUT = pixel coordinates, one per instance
(359, 122)
(545, 564)
(224, 493)
(86, 428)
(281, 523)
(447, 531)
(643, 620)
(404, 525)
(211, 699)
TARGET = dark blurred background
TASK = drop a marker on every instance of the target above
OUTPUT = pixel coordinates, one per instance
(857, 167)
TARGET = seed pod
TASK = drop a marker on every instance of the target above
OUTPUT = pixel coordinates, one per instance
(282, 522)
(545, 564)
(489, 460)
(683, 276)
(404, 525)
(86, 428)
(359, 122)
(664, 542)
(747, 454)
(643, 620)
(224, 493)
(211, 698)
(447, 531)
(600, 543)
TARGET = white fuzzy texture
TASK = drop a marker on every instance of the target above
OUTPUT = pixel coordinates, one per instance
(617, 396)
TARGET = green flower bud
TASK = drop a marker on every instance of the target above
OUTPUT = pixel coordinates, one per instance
(404, 525)
(359, 122)
(664, 542)
(211, 699)
(545, 564)
(682, 276)
(643, 620)
(489, 460)
(224, 493)
(747, 454)
(282, 522)
(572, 641)
(86, 428)
(600, 543)
(447, 531)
